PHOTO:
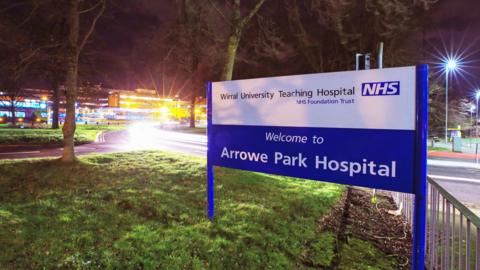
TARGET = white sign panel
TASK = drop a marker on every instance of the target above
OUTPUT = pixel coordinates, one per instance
(351, 99)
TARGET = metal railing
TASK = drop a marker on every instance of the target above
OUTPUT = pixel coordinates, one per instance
(404, 202)
(453, 230)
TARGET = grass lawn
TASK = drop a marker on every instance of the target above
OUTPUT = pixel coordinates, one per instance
(38, 136)
(441, 149)
(196, 130)
(146, 210)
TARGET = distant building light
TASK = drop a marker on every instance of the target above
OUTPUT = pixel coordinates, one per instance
(164, 110)
(146, 98)
(9, 114)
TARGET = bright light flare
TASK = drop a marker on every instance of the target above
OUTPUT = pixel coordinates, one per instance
(452, 57)
(141, 135)
(165, 110)
(454, 65)
(148, 136)
(451, 64)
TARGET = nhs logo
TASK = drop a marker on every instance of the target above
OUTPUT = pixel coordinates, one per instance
(381, 88)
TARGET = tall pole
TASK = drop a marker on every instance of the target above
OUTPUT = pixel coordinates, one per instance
(477, 95)
(446, 105)
(476, 118)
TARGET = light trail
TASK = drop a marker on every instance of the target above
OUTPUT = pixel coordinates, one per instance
(462, 179)
(448, 163)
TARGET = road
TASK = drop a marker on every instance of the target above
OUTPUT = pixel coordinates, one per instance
(461, 179)
(137, 137)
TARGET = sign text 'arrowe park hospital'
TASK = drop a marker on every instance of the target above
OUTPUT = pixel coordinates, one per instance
(353, 127)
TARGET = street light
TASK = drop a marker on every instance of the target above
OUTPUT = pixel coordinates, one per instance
(450, 66)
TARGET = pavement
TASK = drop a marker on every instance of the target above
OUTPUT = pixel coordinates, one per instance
(453, 155)
(456, 172)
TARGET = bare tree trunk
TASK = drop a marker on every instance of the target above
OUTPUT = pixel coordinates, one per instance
(71, 58)
(12, 111)
(188, 19)
(307, 49)
(238, 23)
(233, 41)
(192, 112)
(232, 47)
(71, 82)
(56, 103)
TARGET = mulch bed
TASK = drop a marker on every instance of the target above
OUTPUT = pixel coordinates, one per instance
(355, 215)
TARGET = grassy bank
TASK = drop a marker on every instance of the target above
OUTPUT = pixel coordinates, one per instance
(195, 130)
(440, 149)
(146, 210)
(37, 136)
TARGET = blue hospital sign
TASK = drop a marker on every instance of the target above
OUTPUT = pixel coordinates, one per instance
(364, 128)
(354, 127)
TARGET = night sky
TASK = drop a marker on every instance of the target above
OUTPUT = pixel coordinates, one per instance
(454, 28)
(451, 27)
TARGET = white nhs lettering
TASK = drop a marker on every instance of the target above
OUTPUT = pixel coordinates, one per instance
(381, 88)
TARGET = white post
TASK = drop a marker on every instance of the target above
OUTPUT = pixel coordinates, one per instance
(380, 55)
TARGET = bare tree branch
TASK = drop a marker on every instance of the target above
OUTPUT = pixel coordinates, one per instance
(252, 13)
(91, 8)
(14, 5)
(220, 12)
(92, 25)
(35, 7)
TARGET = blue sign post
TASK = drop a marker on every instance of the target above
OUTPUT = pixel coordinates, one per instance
(365, 128)
(210, 175)
(420, 204)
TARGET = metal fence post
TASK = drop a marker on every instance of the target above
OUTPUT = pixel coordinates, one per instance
(460, 246)
(467, 252)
